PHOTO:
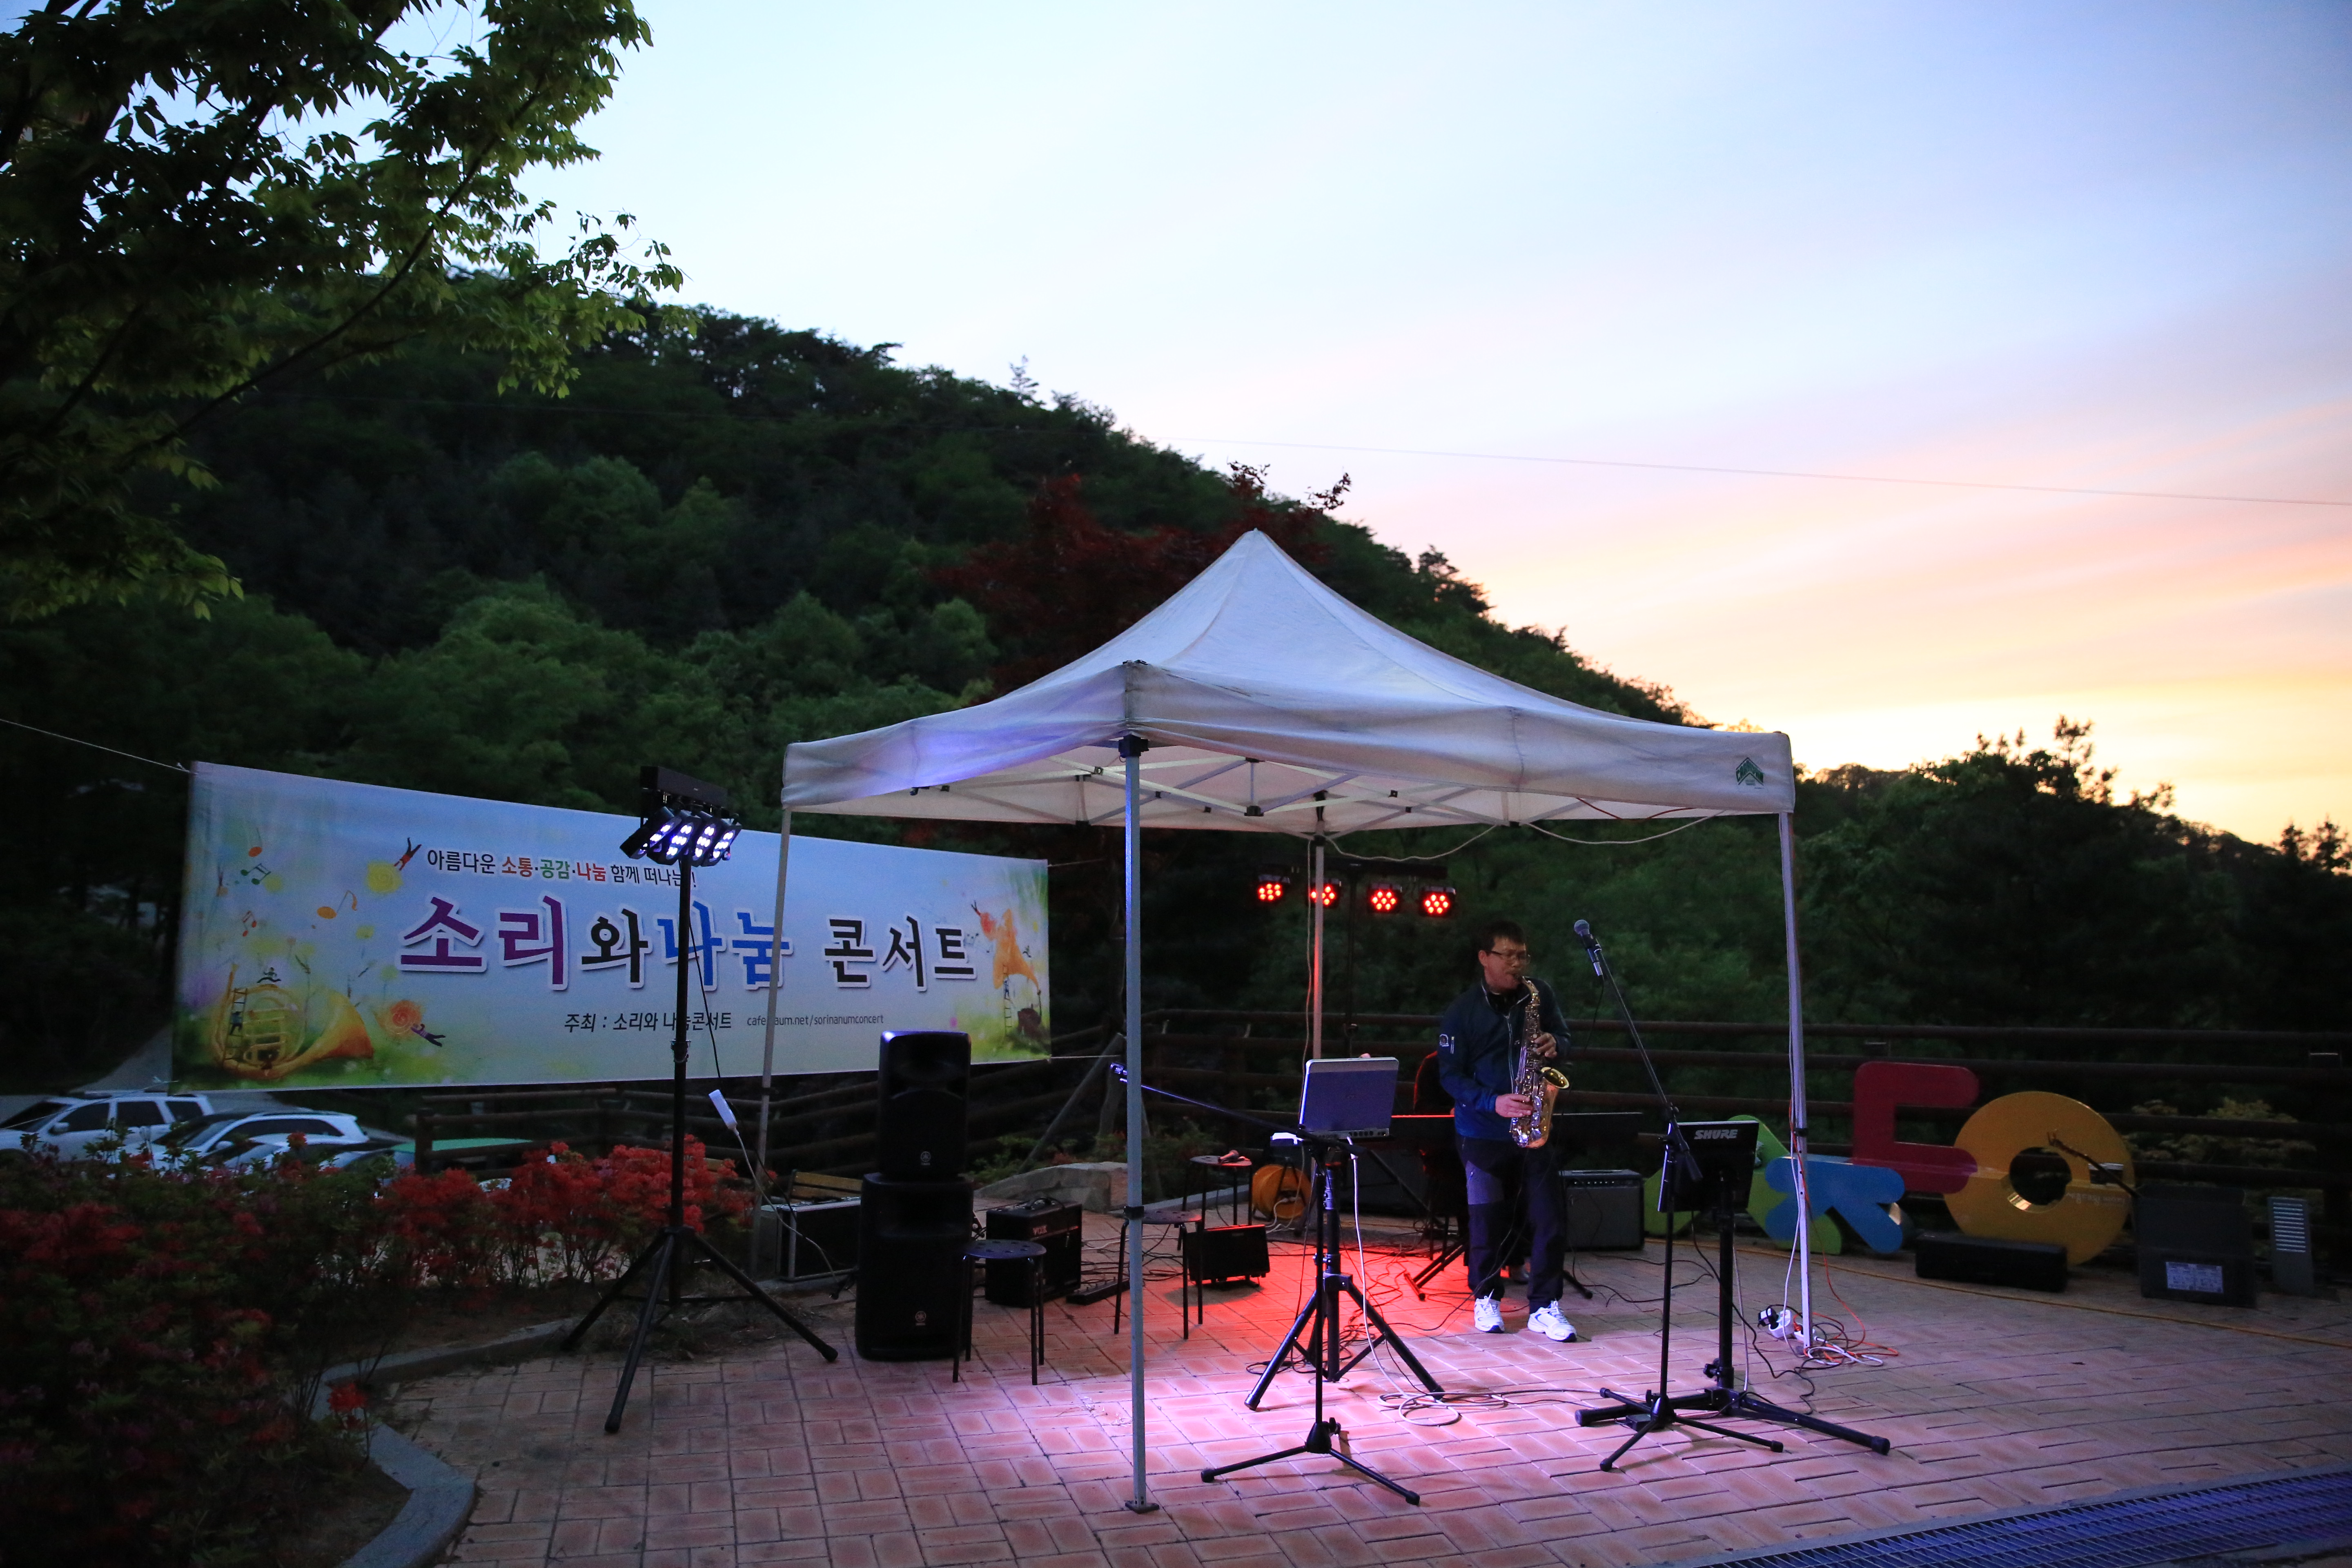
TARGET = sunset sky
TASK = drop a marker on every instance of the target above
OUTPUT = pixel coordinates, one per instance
(1440, 248)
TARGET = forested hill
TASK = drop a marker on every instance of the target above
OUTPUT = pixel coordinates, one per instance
(732, 537)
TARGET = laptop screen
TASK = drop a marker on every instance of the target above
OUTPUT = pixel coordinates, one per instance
(1350, 1097)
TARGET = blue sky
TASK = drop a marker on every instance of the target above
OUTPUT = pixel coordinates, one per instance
(2094, 246)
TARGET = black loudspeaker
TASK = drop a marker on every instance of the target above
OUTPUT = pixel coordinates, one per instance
(2196, 1244)
(1053, 1226)
(911, 1299)
(1604, 1210)
(926, 1082)
(1978, 1260)
(1226, 1252)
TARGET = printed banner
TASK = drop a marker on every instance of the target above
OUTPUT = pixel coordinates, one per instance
(342, 935)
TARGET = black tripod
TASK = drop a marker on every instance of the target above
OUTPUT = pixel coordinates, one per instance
(1314, 1336)
(671, 1252)
(1681, 1177)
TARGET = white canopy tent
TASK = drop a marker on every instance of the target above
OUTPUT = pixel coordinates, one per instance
(1256, 700)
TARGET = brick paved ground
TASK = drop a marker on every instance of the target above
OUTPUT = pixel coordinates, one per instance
(1997, 1400)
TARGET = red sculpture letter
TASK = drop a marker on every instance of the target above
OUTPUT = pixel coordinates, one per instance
(1878, 1088)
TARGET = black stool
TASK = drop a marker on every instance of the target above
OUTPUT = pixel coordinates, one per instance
(980, 1252)
(1184, 1294)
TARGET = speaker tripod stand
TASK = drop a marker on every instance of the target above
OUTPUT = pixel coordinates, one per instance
(1313, 1338)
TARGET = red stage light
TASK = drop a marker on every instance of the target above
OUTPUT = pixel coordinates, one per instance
(1272, 886)
(1384, 897)
(1437, 900)
(1325, 895)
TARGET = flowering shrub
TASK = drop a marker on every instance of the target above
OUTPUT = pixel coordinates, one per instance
(563, 1218)
(159, 1329)
(154, 1329)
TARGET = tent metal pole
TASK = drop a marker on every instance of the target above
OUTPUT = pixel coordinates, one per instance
(1131, 748)
(775, 983)
(1796, 1116)
(1315, 958)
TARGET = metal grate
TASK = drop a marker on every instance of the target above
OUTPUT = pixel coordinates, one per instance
(2121, 1533)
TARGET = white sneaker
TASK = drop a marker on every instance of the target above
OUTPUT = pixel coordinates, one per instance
(1487, 1315)
(1546, 1320)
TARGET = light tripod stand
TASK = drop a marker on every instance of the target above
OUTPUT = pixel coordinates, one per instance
(684, 822)
(1713, 1160)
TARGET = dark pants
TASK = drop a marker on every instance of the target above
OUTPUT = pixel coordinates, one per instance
(1497, 1169)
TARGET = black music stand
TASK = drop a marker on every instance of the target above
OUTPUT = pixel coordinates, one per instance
(1313, 1334)
(1342, 1099)
(1716, 1167)
(1726, 1176)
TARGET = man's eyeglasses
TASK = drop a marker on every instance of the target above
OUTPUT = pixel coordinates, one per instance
(1509, 955)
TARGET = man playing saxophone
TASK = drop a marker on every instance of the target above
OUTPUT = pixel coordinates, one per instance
(1506, 1015)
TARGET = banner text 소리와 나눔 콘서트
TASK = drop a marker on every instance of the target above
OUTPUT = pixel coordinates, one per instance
(347, 935)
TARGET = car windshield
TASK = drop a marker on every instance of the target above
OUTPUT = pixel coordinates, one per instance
(33, 1115)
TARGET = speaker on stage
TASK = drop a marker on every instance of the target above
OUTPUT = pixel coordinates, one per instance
(925, 1080)
(911, 1300)
(1603, 1210)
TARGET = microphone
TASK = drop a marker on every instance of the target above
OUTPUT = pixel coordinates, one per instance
(1591, 943)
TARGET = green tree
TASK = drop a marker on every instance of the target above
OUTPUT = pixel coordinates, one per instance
(197, 198)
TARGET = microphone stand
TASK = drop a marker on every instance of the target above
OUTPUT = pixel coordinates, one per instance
(1315, 1335)
(1656, 1410)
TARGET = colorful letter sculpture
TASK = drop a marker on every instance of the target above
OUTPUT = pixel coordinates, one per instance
(1858, 1195)
(1878, 1088)
(2086, 1217)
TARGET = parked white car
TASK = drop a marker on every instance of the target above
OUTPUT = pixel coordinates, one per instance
(241, 1138)
(71, 1125)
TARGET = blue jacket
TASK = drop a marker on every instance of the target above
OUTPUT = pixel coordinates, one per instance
(1476, 1055)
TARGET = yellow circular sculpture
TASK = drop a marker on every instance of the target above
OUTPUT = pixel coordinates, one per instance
(2032, 1181)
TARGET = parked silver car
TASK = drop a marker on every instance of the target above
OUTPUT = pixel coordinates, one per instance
(74, 1126)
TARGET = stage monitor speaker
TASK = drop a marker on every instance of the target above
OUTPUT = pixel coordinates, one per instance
(1226, 1252)
(2195, 1243)
(1051, 1224)
(1604, 1209)
(1980, 1260)
(911, 1301)
(926, 1082)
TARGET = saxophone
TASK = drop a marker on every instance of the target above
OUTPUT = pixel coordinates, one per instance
(1539, 1081)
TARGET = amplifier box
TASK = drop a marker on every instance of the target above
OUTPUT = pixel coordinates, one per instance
(1980, 1260)
(805, 1241)
(1225, 1252)
(1054, 1225)
(2196, 1244)
(1603, 1210)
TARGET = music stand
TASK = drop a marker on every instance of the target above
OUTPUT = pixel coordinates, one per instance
(1716, 1167)
(1342, 1099)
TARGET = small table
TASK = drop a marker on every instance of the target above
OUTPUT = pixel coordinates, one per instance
(1219, 1169)
(982, 1252)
